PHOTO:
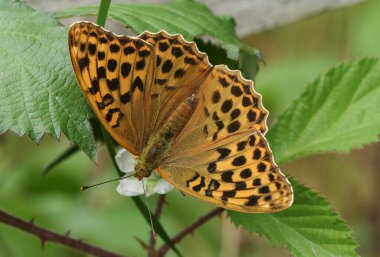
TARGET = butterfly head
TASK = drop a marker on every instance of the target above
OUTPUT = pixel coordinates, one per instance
(141, 170)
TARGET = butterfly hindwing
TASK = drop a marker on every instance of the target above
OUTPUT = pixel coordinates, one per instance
(224, 152)
(227, 104)
(239, 175)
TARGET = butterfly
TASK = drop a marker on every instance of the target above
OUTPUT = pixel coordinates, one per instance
(200, 126)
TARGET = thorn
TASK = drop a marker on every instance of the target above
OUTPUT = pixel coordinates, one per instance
(142, 243)
(32, 220)
(68, 232)
(43, 244)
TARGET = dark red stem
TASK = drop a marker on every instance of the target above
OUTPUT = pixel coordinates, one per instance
(46, 236)
(164, 249)
(152, 241)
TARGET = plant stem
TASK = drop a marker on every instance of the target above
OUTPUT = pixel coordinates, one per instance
(66, 154)
(152, 241)
(46, 236)
(163, 250)
(103, 11)
(111, 149)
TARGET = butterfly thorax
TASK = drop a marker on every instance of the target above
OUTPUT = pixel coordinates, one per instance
(158, 144)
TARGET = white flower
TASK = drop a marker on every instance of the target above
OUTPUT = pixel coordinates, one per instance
(132, 186)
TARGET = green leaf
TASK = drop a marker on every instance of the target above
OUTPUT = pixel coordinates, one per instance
(249, 61)
(188, 18)
(337, 112)
(310, 227)
(38, 92)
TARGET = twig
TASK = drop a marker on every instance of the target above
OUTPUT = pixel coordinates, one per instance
(46, 236)
(163, 250)
(160, 204)
(152, 241)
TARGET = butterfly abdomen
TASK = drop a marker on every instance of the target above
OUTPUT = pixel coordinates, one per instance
(157, 146)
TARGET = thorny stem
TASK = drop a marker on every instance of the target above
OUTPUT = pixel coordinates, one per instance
(152, 241)
(46, 236)
(217, 211)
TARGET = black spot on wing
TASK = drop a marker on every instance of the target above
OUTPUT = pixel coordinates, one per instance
(202, 184)
(256, 182)
(94, 89)
(140, 64)
(110, 113)
(177, 51)
(226, 106)
(189, 60)
(227, 176)
(113, 84)
(246, 173)
(101, 72)
(114, 48)
(83, 63)
(215, 97)
(236, 91)
(125, 69)
(167, 66)
(239, 161)
(106, 100)
(137, 83)
(224, 152)
(252, 200)
(111, 65)
(261, 167)
(195, 177)
(125, 98)
(233, 126)
(256, 154)
(101, 56)
(264, 190)
(163, 46)
(223, 82)
(211, 167)
(129, 50)
(92, 49)
(144, 53)
(179, 73)
(234, 114)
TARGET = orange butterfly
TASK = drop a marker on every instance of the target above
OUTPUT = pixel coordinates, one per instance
(200, 126)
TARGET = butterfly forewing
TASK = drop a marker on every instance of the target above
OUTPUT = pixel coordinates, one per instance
(113, 73)
(180, 70)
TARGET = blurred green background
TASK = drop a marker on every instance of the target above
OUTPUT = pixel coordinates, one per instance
(294, 54)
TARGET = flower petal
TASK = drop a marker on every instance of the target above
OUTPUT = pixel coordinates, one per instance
(125, 161)
(162, 187)
(130, 187)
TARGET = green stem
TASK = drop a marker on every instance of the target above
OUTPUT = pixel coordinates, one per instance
(111, 149)
(103, 11)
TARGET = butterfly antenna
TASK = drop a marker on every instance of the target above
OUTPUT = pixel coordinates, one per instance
(104, 182)
(150, 214)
